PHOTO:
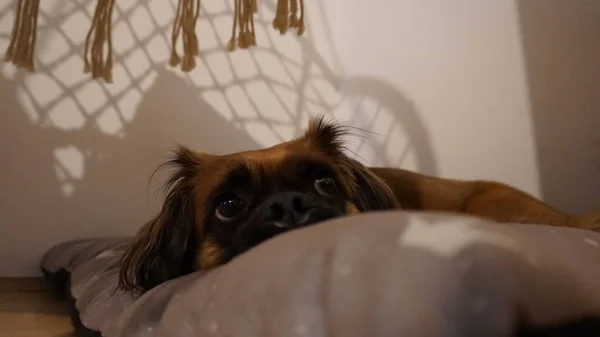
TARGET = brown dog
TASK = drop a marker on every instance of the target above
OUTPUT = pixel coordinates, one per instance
(217, 207)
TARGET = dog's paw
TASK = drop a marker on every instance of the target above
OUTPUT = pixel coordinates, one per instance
(590, 221)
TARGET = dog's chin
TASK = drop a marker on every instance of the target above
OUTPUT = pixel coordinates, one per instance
(253, 233)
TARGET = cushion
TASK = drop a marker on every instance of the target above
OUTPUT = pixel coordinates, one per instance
(377, 274)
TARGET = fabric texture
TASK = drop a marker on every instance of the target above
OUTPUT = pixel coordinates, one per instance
(378, 274)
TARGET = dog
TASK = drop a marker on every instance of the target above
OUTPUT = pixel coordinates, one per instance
(219, 206)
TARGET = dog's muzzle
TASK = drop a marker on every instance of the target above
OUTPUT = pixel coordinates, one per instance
(283, 212)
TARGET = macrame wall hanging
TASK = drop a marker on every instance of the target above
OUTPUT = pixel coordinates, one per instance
(97, 52)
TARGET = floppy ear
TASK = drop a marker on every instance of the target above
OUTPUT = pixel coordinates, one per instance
(371, 192)
(325, 135)
(165, 247)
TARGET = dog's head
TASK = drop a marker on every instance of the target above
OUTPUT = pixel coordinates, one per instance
(217, 207)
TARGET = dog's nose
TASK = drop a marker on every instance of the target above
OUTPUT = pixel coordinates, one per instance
(289, 209)
(280, 213)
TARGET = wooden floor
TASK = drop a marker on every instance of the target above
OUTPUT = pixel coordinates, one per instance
(29, 309)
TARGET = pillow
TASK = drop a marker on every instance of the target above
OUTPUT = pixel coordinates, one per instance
(376, 274)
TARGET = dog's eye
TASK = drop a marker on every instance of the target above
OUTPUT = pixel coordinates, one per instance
(326, 186)
(229, 209)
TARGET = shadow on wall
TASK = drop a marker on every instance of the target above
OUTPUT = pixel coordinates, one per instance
(78, 153)
(561, 42)
(102, 188)
(378, 106)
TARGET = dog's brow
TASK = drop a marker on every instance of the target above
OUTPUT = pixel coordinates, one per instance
(299, 164)
(239, 174)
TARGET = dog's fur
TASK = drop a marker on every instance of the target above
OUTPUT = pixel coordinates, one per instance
(189, 235)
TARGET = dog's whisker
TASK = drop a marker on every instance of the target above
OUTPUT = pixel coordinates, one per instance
(152, 178)
(366, 130)
(352, 134)
(345, 148)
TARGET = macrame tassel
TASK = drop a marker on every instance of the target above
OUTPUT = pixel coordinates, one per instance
(185, 24)
(252, 9)
(280, 22)
(293, 18)
(242, 42)
(289, 14)
(300, 22)
(243, 18)
(236, 11)
(100, 33)
(191, 48)
(22, 43)
(175, 60)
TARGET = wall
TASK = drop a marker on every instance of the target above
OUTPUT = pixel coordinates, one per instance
(446, 88)
(506, 90)
(78, 154)
(561, 44)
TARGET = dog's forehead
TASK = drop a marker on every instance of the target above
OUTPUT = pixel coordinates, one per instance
(271, 159)
(268, 161)
(276, 161)
(271, 154)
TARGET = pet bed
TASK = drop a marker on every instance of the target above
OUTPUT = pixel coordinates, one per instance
(378, 274)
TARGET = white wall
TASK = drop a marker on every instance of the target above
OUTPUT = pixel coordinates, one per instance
(561, 44)
(449, 88)
(505, 90)
(78, 154)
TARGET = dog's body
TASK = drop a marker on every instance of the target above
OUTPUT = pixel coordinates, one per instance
(217, 207)
(487, 199)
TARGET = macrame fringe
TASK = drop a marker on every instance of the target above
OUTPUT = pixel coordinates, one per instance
(21, 48)
(100, 33)
(185, 25)
(20, 51)
(242, 34)
(289, 14)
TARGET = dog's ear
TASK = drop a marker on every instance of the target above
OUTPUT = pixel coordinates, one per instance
(325, 136)
(165, 247)
(370, 192)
